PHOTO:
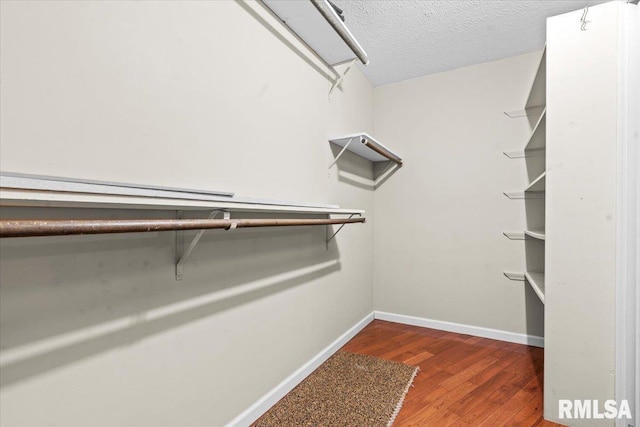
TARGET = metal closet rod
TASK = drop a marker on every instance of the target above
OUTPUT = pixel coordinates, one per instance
(326, 10)
(381, 151)
(65, 227)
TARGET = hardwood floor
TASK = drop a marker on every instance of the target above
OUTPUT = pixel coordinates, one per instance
(463, 380)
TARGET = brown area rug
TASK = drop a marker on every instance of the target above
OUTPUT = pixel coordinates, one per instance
(347, 390)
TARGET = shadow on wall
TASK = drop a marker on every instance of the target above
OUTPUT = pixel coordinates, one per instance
(280, 32)
(63, 299)
(360, 172)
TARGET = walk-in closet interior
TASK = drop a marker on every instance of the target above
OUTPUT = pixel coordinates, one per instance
(314, 212)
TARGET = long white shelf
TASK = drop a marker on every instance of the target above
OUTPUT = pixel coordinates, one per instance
(537, 184)
(536, 281)
(536, 234)
(39, 198)
(47, 191)
(364, 145)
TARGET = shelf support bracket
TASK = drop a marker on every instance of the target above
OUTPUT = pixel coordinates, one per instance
(329, 238)
(341, 77)
(181, 259)
(341, 152)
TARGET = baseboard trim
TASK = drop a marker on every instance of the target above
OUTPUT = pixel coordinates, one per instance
(254, 412)
(477, 331)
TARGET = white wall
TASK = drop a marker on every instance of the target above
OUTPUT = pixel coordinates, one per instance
(439, 248)
(95, 330)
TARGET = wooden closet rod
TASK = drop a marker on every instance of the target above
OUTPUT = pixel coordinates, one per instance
(63, 227)
(382, 152)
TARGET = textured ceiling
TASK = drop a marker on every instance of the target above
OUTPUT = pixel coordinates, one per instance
(405, 39)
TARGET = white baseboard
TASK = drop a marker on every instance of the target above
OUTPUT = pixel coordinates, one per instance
(268, 400)
(460, 328)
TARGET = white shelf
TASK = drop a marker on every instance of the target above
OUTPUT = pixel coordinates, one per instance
(538, 184)
(537, 140)
(366, 146)
(514, 235)
(536, 234)
(514, 275)
(522, 154)
(38, 198)
(537, 94)
(536, 281)
(320, 27)
(537, 98)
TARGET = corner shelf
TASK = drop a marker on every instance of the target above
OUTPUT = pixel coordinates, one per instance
(536, 281)
(365, 146)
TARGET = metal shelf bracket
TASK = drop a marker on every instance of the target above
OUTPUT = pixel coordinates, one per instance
(341, 152)
(182, 256)
(341, 77)
(329, 238)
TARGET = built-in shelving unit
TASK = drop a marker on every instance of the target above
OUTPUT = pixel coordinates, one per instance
(21, 190)
(534, 154)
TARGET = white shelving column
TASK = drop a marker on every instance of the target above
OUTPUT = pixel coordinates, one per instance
(534, 154)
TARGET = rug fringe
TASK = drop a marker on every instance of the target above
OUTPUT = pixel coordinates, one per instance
(399, 405)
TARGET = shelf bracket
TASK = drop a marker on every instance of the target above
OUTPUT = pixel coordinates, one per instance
(514, 235)
(512, 275)
(341, 152)
(341, 77)
(524, 194)
(181, 259)
(534, 152)
(329, 238)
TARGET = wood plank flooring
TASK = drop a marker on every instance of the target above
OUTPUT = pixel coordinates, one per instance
(463, 380)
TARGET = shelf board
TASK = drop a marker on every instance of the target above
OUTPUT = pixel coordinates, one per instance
(514, 275)
(538, 184)
(78, 185)
(537, 93)
(536, 281)
(522, 154)
(514, 235)
(537, 140)
(536, 234)
(368, 147)
(41, 198)
(305, 20)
